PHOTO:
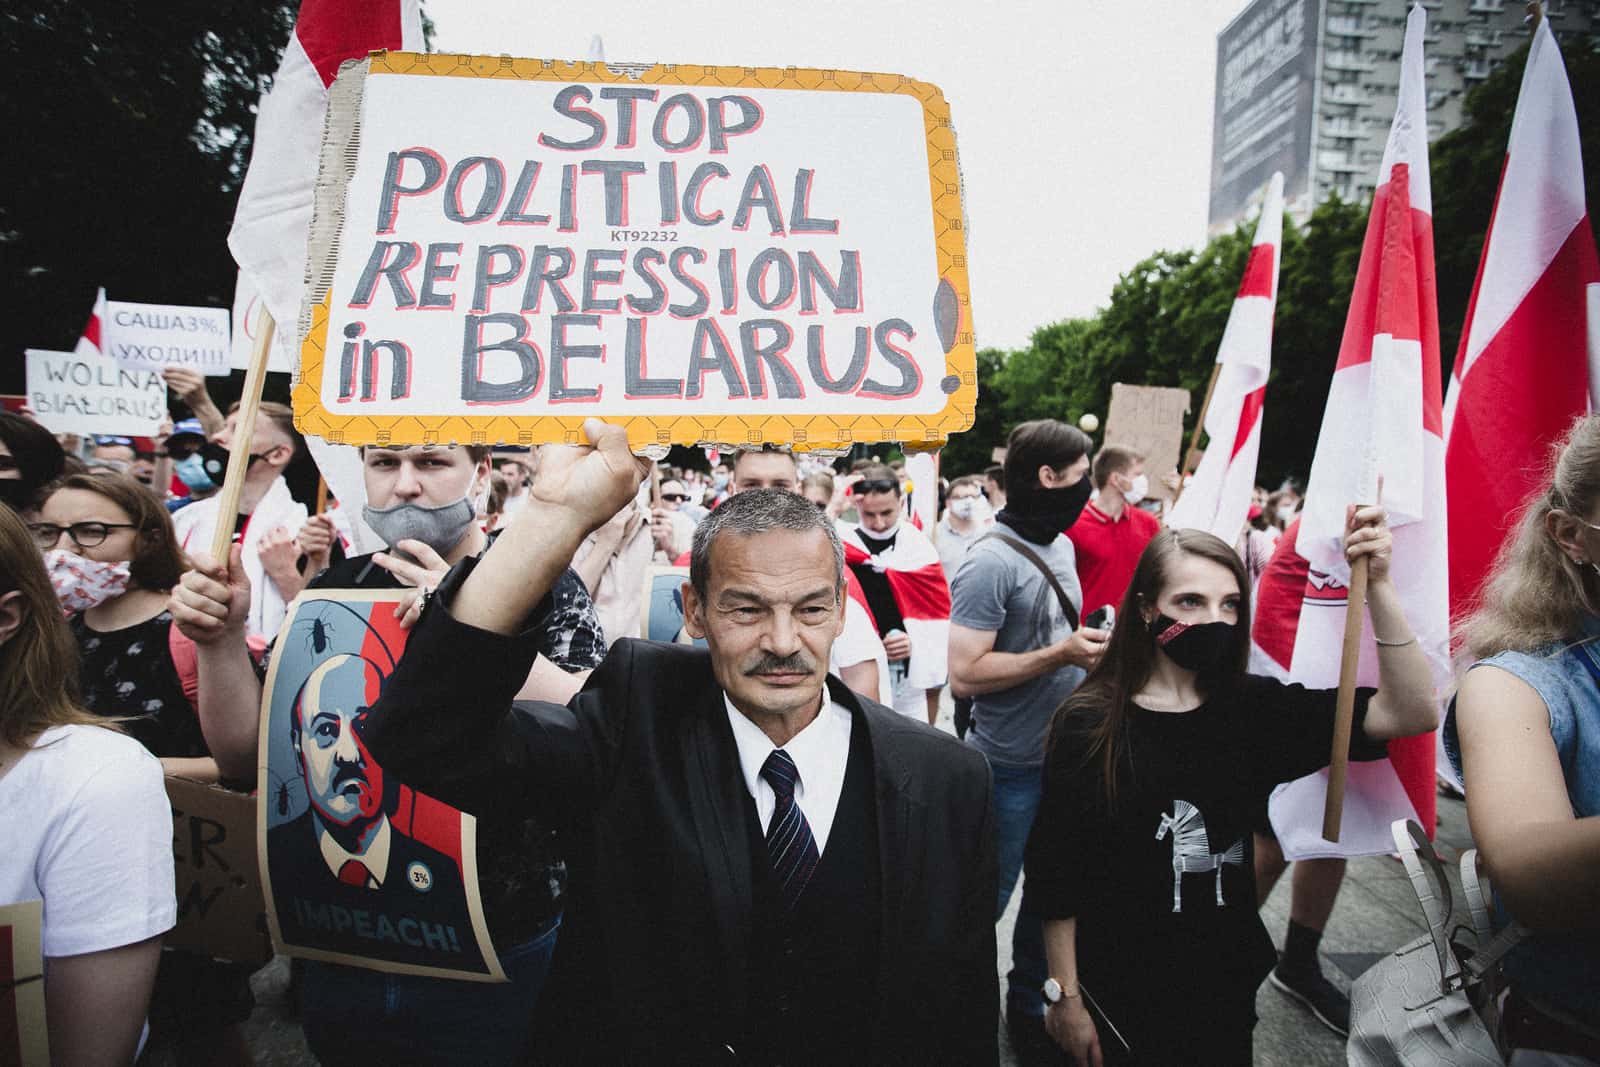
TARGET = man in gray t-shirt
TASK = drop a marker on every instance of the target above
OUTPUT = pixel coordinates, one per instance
(997, 590)
(1015, 650)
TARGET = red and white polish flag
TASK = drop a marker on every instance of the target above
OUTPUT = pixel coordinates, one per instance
(1217, 498)
(916, 578)
(268, 238)
(1528, 358)
(89, 345)
(1385, 420)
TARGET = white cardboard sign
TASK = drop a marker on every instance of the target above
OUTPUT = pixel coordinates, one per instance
(703, 258)
(157, 336)
(89, 395)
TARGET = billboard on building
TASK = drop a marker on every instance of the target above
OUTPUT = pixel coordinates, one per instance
(1266, 84)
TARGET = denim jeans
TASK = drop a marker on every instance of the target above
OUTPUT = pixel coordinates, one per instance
(1016, 799)
(352, 1015)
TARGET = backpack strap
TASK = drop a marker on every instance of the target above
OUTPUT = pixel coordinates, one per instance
(1032, 557)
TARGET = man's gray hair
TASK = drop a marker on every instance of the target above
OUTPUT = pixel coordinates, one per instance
(759, 511)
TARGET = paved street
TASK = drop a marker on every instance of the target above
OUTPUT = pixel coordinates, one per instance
(1376, 913)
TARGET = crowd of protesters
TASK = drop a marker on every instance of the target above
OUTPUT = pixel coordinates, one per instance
(672, 883)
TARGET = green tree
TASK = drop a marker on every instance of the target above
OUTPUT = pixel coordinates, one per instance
(130, 134)
(968, 452)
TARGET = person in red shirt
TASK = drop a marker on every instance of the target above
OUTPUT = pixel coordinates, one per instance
(1111, 533)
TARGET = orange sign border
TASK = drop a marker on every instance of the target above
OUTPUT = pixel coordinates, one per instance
(804, 432)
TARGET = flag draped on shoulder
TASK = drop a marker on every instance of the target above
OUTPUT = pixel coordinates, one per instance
(1217, 498)
(916, 578)
(89, 344)
(1384, 420)
(268, 238)
(1527, 361)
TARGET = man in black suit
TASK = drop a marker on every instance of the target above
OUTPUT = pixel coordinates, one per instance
(764, 867)
(344, 878)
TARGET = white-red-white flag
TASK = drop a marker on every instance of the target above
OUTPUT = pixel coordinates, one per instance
(921, 592)
(90, 343)
(1385, 420)
(268, 238)
(1528, 357)
(1217, 498)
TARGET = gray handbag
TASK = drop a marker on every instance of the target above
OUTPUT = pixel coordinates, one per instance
(1433, 1002)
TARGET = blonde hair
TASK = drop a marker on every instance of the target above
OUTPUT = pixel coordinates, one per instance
(39, 665)
(1535, 594)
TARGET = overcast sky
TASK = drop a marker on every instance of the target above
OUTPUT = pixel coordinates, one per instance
(1084, 130)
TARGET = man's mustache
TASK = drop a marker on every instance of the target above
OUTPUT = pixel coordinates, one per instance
(348, 772)
(798, 663)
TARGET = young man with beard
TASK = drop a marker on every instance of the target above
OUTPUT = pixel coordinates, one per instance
(421, 501)
(1019, 651)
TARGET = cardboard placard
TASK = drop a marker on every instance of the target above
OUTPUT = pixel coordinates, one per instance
(75, 394)
(221, 912)
(1149, 419)
(504, 247)
(357, 867)
(24, 1037)
(157, 336)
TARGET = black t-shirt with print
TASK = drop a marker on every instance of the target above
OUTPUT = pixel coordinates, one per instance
(1163, 887)
(129, 672)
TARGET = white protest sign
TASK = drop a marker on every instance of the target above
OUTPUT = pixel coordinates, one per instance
(157, 336)
(246, 320)
(505, 247)
(74, 394)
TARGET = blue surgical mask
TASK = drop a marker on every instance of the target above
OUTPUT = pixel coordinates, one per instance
(191, 471)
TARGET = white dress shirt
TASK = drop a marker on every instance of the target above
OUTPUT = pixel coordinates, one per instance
(820, 753)
(375, 859)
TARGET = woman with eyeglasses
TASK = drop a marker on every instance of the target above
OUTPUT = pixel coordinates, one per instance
(1525, 734)
(85, 827)
(111, 553)
(113, 557)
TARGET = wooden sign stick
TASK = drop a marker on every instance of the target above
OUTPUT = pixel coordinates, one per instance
(243, 431)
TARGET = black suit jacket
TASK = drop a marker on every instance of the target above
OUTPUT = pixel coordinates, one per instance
(642, 772)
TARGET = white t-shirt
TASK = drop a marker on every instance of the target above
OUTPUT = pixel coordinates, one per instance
(859, 642)
(86, 827)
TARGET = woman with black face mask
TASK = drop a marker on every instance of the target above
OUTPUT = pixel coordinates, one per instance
(1158, 766)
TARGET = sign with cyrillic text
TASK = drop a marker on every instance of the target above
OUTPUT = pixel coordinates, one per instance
(88, 395)
(158, 336)
(505, 247)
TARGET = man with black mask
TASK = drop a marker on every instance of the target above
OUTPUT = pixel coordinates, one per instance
(1017, 647)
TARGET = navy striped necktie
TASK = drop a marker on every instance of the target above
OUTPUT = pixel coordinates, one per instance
(790, 846)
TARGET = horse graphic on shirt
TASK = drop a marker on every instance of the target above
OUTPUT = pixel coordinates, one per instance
(1191, 849)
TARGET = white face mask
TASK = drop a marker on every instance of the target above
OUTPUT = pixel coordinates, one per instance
(81, 583)
(969, 509)
(1286, 514)
(1138, 490)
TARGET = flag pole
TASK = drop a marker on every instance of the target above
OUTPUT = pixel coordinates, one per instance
(1345, 705)
(243, 431)
(1344, 711)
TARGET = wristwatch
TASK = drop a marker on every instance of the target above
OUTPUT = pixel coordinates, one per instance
(1054, 993)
